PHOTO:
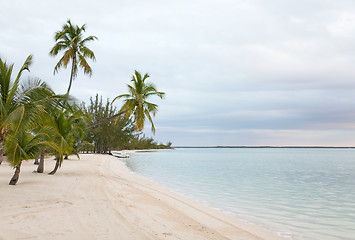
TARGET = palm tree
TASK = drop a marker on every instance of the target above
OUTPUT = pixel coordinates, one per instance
(22, 144)
(16, 98)
(8, 91)
(70, 39)
(67, 127)
(136, 104)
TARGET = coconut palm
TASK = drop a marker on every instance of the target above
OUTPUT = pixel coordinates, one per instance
(22, 144)
(8, 91)
(15, 98)
(136, 104)
(67, 127)
(71, 40)
(46, 125)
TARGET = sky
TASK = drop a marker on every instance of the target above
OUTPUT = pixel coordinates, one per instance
(235, 72)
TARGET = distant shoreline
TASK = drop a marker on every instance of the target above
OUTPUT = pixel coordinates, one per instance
(308, 147)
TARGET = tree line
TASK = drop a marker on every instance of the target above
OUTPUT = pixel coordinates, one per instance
(35, 121)
(116, 134)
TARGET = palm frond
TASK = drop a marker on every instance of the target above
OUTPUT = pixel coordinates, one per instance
(120, 96)
(5, 79)
(88, 39)
(59, 46)
(87, 53)
(84, 65)
(24, 67)
(161, 95)
(63, 62)
(147, 114)
(15, 85)
(70, 39)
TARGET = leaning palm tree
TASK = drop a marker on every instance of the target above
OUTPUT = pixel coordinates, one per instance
(70, 39)
(51, 108)
(136, 104)
(66, 128)
(22, 146)
(15, 98)
(21, 142)
(8, 92)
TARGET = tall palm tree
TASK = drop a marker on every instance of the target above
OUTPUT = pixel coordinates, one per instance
(135, 101)
(70, 39)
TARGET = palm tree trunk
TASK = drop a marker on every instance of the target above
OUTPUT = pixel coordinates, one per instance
(2, 140)
(16, 175)
(40, 168)
(72, 73)
(56, 165)
(1, 153)
(36, 159)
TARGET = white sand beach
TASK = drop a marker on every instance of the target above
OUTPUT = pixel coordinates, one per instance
(97, 197)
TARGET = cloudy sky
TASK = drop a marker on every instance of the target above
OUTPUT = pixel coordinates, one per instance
(235, 72)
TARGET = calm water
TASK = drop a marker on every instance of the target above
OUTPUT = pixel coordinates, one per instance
(306, 194)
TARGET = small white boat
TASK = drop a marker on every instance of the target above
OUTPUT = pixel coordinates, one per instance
(120, 155)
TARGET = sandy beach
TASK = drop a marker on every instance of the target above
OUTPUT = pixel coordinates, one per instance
(97, 197)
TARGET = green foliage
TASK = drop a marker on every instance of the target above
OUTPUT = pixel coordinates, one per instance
(140, 141)
(21, 105)
(22, 145)
(136, 104)
(71, 40)
(11, 98)
(66, 126)
(109, 134)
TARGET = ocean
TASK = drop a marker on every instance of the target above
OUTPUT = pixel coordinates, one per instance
(300, 193)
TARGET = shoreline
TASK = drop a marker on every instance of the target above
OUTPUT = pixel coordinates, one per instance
(98, 197)
(240, 218)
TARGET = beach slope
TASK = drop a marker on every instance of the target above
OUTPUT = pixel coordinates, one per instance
(97, 197)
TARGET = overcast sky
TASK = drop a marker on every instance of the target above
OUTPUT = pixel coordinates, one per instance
(235, 72)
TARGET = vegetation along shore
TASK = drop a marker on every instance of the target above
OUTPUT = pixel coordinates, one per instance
(35, 121)
(96, 196)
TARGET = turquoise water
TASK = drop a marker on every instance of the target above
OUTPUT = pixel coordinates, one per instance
(306, 194)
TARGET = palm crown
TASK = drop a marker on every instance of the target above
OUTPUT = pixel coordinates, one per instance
(70, 39)
(136, 104)
(20, 104)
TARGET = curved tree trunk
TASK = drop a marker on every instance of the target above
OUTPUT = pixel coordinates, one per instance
(2, 140)
(16, 175)
(57, 163)
(36, 159)
(1, 153)
(40, 168)
(72, 72)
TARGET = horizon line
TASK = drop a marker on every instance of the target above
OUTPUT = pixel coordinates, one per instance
(266, 146)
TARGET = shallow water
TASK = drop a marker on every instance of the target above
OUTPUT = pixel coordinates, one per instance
(301, 193)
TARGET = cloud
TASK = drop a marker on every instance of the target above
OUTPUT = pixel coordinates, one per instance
(344, 26)
(234, 72)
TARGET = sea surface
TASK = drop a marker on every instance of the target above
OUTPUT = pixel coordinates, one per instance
(300, 193)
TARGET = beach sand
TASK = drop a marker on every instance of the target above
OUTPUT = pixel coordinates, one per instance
(97, 197)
